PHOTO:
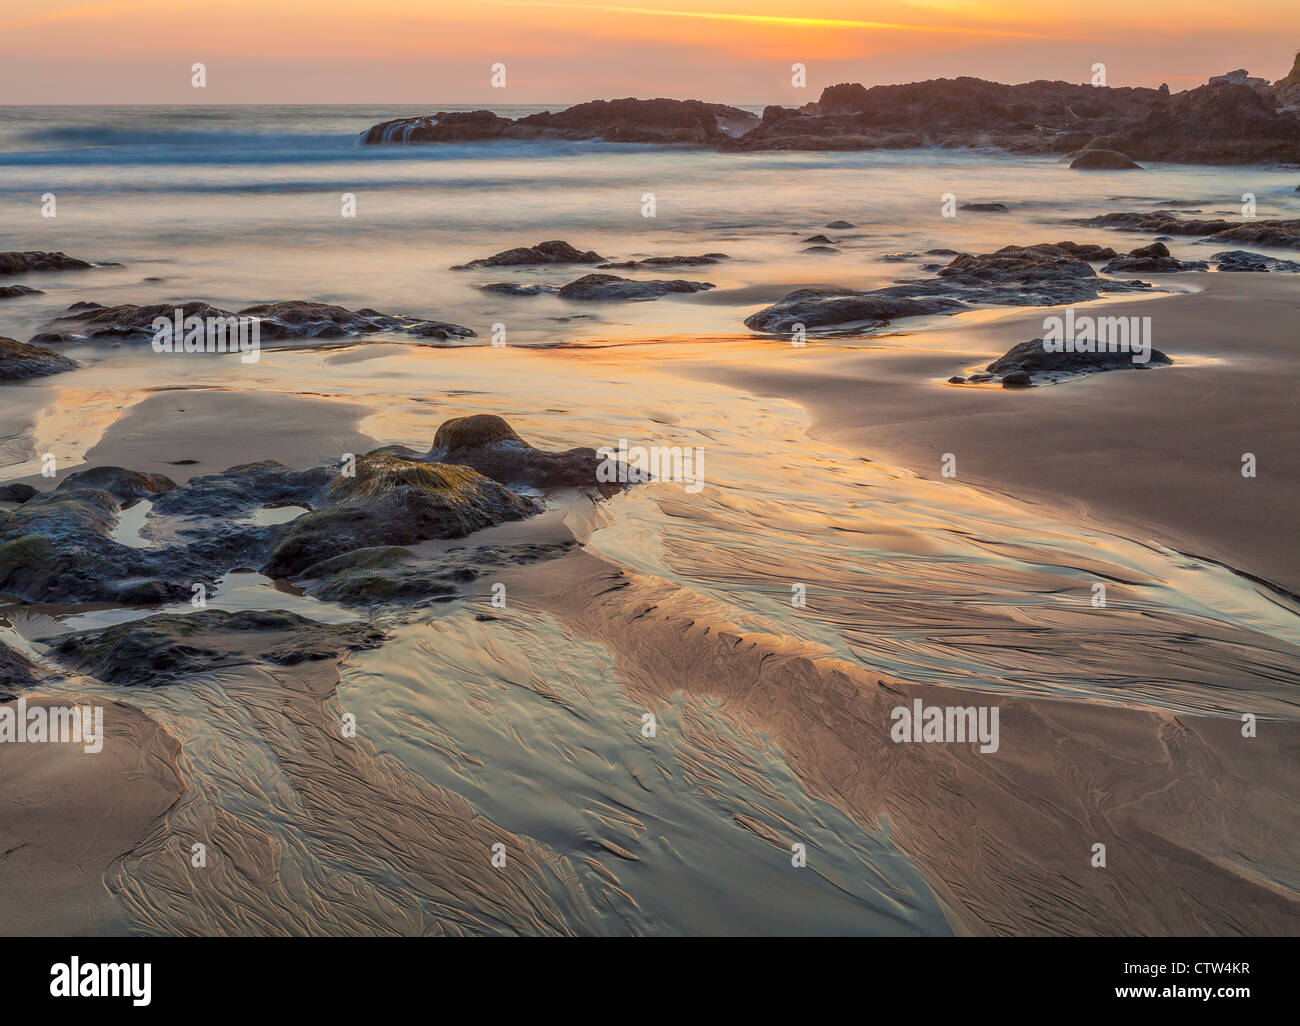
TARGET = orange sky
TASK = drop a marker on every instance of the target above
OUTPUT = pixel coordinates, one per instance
(739, 51)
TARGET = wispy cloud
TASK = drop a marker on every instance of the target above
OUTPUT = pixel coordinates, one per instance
(773, 19)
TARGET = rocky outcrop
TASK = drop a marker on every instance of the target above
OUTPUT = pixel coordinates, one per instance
(1104, 160)
(170, 649)
(610, 288)
(1232, 119)
(1224, 123)
(1152, 259)
(17, 492)
(1030, 363)
(15, 291)
(23, 263)
(627, 120)
(466, 126)
(292, 319)
(19, 360)
(1042, 275)
(554, 252)
(1242, 260)
(351, 544)
(1287, 88)
(490, 446)
(17, 673)
(1284, 234)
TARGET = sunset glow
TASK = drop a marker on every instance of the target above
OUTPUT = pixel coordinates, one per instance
(740, 51)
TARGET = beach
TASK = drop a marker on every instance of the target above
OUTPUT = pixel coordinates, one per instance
(832, 566)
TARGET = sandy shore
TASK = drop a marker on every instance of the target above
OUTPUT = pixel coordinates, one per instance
(67, 816)
(1154, 455)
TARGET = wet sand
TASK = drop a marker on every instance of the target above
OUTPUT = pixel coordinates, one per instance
(67, 816)
(1154, 455)
(1198, 821)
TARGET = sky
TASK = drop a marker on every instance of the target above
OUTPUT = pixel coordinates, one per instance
(731, 51)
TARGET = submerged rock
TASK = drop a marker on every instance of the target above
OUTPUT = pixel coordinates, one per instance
(669, 261)
(21, 360)
(15, 262)
(1104, 160)
(1283, 234)
(985, 208)
(1040, 275)
(15, 291)
(554, 252)
(610, 287)
(291, 319)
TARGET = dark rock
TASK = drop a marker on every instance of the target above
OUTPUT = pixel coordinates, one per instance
(465, 126)
(554, 252)
(1030, 363)
(170, 649)
(985, 208)
(820, 240)
(841, 225)
(1040, 275)
(17, 673)
(123, 485)
(1104, 160)
(17, 492)
(638, 121)
(21, 360)
(292, 319)
(833, 308)
(1241, 260)
(956, 380)
(14, 291)
(518, 288)
(393, 501)
(820, 249)
(1152, 259)
(602, 287)
(33, 260)
(490, 446)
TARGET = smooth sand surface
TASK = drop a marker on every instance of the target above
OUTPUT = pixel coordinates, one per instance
(1155, 455)
(66, 816)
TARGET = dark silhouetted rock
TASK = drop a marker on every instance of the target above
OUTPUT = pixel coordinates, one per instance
(15, 291)
(985, 208)
(465, 126)
(1017, 379)
(841, 224)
